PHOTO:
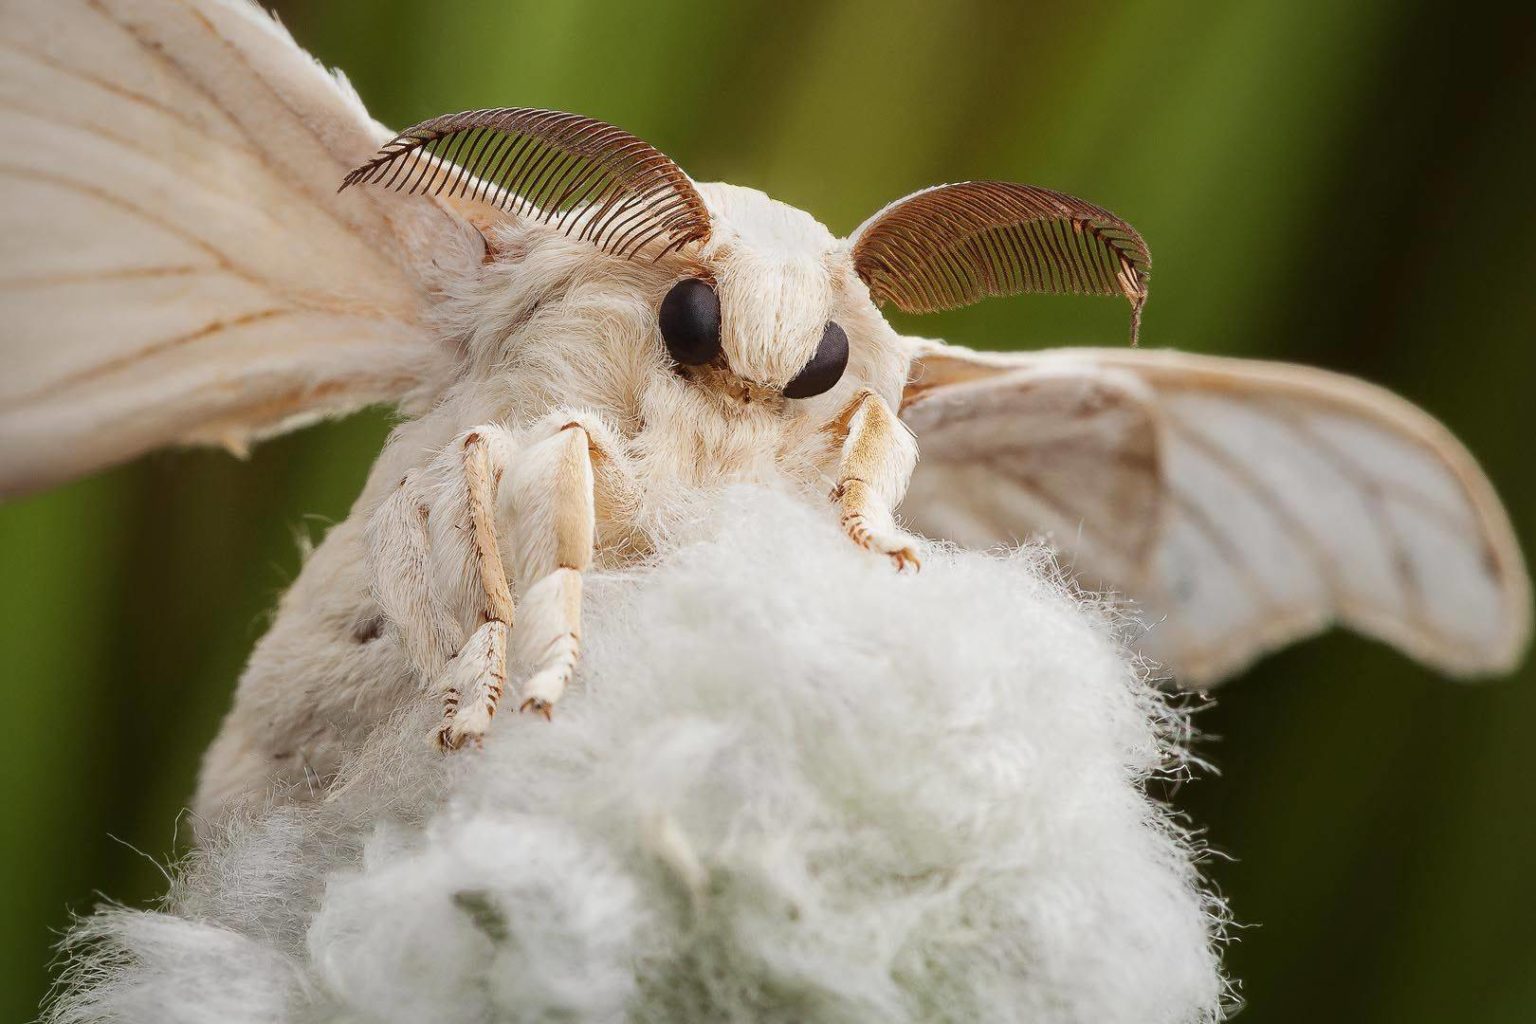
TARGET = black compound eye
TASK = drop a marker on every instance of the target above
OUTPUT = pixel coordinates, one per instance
(825, 368)
(690, 322)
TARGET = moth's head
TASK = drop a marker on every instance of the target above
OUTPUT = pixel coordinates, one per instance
(756, 297)
(768, 296)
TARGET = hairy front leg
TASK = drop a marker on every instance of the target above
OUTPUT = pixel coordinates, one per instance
(439, 523)
(552, 511)
(472, 686)
(875, 461)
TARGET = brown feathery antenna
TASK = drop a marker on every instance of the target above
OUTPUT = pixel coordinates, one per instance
(952, 245)
(575, 173)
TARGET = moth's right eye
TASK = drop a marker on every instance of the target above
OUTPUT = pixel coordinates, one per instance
(690, 322)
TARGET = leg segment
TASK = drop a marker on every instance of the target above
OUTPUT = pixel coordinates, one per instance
(472, 685)
(874, 464)
(551, 506)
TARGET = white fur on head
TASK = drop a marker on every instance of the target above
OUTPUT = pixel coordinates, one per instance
(789, 785)
(773, 269)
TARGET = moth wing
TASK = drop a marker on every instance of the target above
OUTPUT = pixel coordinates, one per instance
(1242, 505)
(178, 267)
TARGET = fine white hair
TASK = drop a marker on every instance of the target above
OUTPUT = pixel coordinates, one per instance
(789, 785)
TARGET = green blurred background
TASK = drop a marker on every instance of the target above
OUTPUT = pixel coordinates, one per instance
(1339, 183)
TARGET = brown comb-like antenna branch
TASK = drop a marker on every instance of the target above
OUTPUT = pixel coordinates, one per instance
(952, 245)
(584, 177)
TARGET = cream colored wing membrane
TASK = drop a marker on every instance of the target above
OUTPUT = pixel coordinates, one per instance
(177, 266)
(1007, 458)
(1288, 499)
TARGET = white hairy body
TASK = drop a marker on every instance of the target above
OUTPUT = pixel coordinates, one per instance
(394, 592)
(182, 270)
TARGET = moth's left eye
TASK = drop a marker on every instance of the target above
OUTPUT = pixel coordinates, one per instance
(690, 322)
(825, 368)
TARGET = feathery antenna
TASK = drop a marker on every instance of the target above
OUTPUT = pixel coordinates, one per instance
(594, 181)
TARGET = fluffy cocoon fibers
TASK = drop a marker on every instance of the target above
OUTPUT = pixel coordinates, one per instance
(789, 785)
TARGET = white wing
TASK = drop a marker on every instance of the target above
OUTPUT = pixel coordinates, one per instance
(1241, 504)
(177, 266)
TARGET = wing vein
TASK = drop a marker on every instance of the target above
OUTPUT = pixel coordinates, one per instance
(1223, 544)
(117, 90)
(66, 279)
(1371, 493)
(159, 156)
(1321, 559)
(106, 369)
(297, 183)
(218, 257)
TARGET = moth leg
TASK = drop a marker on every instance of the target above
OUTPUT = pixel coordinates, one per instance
(875, 461)
(552, 496)
(471, 686)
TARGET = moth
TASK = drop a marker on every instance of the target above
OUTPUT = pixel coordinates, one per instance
(209, 241)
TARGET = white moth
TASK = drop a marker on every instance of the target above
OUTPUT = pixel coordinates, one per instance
(583, 341)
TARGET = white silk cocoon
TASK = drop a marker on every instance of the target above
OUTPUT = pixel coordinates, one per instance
(789, 785)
